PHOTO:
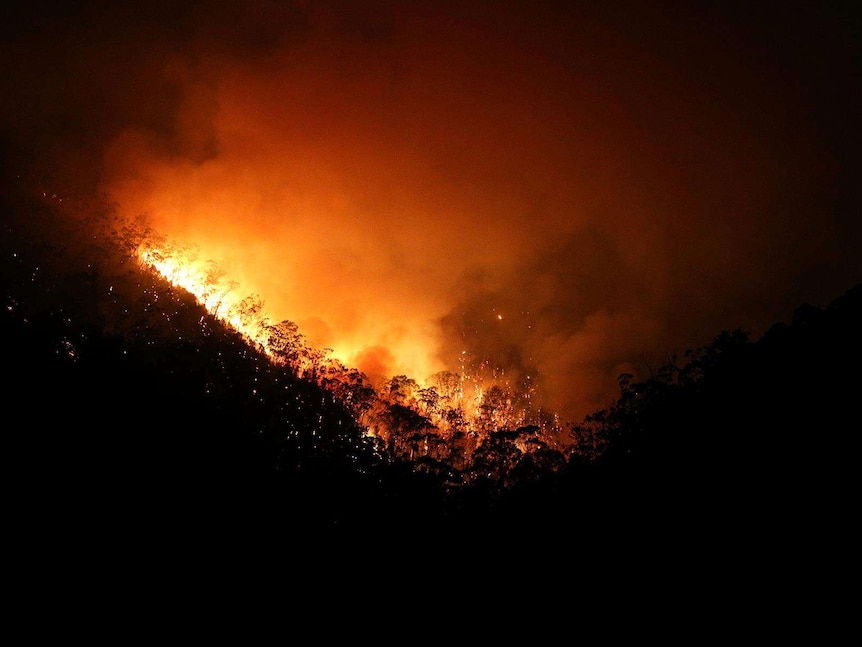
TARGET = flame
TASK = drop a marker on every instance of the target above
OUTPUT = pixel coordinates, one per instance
(476, 400)
(201, 279)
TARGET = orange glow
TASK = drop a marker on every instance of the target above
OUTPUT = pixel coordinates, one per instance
(203, 281)
(483, 213)
(556, 195)
(467, 394)
(222, 296)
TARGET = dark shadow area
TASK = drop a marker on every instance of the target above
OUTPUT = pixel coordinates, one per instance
(138, 425)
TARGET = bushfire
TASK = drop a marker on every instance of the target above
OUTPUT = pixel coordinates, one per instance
(469, 419)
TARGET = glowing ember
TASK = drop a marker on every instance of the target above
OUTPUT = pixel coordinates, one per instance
(475, 400)
(204, 282)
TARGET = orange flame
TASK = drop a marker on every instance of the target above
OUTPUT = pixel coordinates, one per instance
(210, 289)
(468, 400)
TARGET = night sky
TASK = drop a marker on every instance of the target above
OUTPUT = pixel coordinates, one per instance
(568, 191)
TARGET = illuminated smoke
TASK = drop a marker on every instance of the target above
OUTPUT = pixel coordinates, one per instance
(617, 183)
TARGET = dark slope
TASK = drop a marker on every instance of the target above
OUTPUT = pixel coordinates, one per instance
(132, 417)
(742, 454)
(130, 410)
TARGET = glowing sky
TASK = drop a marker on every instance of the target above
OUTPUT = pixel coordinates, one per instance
(569, 190)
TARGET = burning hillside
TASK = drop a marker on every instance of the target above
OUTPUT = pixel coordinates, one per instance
(132, 395)
(472, 422)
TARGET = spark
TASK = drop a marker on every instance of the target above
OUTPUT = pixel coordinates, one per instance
(470, 403)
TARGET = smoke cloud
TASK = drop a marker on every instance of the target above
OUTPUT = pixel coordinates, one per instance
(553, 192)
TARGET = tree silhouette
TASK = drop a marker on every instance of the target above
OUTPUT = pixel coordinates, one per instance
(128, 401)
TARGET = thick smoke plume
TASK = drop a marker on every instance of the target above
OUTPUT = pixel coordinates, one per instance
(549, 193)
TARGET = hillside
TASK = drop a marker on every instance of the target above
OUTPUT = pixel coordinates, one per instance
(132, 411)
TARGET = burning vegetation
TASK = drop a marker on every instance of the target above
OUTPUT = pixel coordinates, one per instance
(76, 260)
(136, 369)
(463, 425)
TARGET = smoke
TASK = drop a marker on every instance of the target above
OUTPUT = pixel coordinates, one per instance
(554, 194)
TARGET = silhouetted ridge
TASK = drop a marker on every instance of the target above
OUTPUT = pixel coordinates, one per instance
(132, 404)
(129, 406)
(754, 434)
